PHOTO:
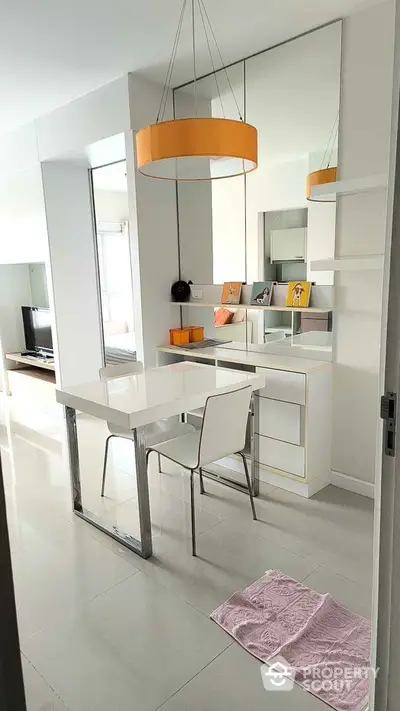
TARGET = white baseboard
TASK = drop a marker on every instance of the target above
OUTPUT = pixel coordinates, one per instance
(351, 483)
(301, 488)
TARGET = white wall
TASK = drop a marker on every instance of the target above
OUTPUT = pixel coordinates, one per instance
(73, 127)
(74, 293)
(38, 282)
(23, 235)
(228, 227)
(111, 206)
(320, 238)
(153, 234)
(15, 291)
(367, 69)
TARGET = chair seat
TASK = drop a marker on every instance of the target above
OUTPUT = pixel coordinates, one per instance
(183, 450)
(156, 432)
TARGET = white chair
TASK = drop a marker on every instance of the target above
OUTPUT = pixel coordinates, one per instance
(154, 433)
(223, 432)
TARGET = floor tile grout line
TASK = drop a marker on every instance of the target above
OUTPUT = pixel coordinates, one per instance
(77, 613)
(194, 676)
(54, 691)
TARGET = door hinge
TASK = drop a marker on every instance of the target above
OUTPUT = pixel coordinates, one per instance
(388, 413)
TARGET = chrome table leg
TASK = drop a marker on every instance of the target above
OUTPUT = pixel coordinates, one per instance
(143, 547)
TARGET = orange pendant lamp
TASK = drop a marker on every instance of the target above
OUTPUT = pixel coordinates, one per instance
(324, 175)
(184, 148)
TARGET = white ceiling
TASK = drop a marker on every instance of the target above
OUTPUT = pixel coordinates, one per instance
(52, 52)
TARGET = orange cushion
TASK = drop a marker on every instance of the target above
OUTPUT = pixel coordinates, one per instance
(222, 317)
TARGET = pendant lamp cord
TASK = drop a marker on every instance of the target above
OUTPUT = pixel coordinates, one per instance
(167, 84)
(194, 56)
(221, 59)
(332, 138)
(166, 87)
(211, 59)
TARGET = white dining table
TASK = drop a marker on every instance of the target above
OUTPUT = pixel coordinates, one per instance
(132, 402)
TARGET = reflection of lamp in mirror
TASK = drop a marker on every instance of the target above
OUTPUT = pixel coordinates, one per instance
(326, 174)
(196, 139)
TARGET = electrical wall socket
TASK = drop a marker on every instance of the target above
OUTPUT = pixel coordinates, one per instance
(197, 294)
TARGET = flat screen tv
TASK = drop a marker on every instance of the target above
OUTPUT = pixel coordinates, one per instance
(37, 327)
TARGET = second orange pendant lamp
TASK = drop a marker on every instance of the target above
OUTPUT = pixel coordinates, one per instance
(324, 175)
(179, 149)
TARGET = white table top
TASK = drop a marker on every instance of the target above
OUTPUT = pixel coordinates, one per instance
(256, 359)
(137, 400)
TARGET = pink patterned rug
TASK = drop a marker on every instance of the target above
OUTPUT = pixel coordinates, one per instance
(325, 646)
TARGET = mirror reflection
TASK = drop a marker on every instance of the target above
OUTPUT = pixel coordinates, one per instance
(262, 227)
(212, 213)
(110, 195)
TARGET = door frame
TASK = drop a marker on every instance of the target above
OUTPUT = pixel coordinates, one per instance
(385, 648)
(12, 693)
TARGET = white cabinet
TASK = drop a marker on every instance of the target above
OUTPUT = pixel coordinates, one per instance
(282, 456)
(289, 245)
(279, 420)
(293, 428)
(284, 385)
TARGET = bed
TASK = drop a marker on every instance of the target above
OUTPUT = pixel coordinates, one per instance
(119, 348)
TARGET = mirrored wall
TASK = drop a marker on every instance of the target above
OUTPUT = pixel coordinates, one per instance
(110, 196)
(261, 227)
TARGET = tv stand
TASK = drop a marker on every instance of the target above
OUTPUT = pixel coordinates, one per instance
(34, 366)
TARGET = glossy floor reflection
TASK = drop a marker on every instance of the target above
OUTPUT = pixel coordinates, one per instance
(101, 628)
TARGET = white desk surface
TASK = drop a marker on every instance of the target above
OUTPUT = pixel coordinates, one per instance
(253, 358)
(137, 400)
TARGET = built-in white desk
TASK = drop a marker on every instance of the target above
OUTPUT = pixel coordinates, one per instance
(137, 400)
(292, 419)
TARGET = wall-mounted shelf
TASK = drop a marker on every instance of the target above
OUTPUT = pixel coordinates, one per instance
(329, 191)
(289, 309)
(349, 264)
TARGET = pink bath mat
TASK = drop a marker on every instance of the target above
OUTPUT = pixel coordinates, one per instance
(325, 647)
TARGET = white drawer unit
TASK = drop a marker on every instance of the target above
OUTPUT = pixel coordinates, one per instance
(280, 420)
(284, 385)
(281, 455)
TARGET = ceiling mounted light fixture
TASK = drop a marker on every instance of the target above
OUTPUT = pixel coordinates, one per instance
(324, 175)
(178, 149)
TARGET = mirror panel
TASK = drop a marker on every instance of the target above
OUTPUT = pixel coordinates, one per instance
(110, 194)
(262, 227)
(212, 213)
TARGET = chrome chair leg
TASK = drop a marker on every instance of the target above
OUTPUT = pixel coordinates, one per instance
(105, 464)
(246, 471)
(159, 464)
(202, 489)
(193, 519)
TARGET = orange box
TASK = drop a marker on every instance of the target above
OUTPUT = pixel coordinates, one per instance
(196, 334)
(179, 336)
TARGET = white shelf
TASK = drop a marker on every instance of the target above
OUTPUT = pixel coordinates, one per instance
(289, 309)
(348, 264)
(329, 191)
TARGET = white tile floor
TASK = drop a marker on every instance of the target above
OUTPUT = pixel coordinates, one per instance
(103, 630)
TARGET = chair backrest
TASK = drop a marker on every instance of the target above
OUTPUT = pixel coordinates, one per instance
(118, 371)
(224, 425)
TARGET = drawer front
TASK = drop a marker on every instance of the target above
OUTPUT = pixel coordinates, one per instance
(283, 385)
(280, 420)
(281, 455)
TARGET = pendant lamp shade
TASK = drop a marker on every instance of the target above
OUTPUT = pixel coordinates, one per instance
(326, 174)
(163, 147)
(197, 147)
(320, 177)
